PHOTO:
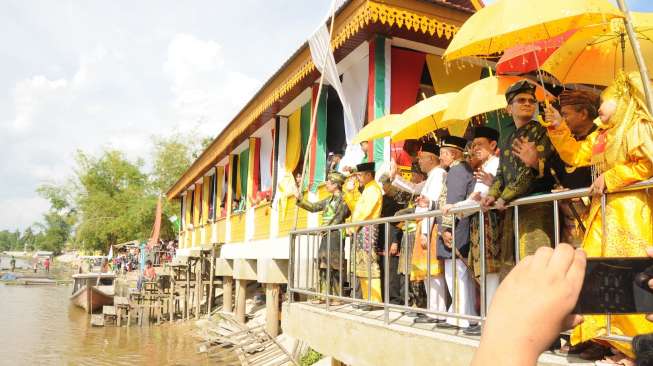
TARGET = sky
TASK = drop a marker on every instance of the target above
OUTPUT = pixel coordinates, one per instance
(92, 75)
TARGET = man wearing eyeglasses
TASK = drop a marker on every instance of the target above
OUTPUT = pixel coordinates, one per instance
(515, 179)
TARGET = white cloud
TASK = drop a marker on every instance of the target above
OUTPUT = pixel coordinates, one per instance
(206, 93)
(20, 212)
(30, 97)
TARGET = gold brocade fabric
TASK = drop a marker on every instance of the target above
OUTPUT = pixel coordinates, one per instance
(419, 263)
(622, 150)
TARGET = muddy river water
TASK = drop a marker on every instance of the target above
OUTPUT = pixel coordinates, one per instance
(39, 326)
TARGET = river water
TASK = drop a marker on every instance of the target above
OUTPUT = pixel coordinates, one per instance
(38, 326)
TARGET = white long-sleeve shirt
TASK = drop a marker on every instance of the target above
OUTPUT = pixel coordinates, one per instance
(490, 166)
(406, 186)
(432, 190)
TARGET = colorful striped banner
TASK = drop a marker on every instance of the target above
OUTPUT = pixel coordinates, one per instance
(378, 97)
(316, 172)
(253, 169)
(243, 170)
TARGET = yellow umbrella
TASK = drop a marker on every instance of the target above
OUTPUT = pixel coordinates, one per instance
(482, 96)
(589, 58)
(421, 118)
(508, 23)
(380, 127)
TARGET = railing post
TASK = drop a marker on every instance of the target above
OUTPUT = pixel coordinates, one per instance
(455, 304)
(407, 261)
(386, 276)
(328, 271)
(481, 244)
(291, 267)
(369, 268)
(556, 223)
(429, 224)
(354, 276)
(516, 230)
(604, 237)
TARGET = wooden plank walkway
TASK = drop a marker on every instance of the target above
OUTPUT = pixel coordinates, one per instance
(252, 345)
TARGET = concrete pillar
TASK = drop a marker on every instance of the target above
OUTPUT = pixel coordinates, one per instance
(241, 296)
(227, 293)
(272, 309)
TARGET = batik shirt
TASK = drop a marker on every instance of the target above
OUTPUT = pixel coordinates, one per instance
(334, 210)
(514, 179)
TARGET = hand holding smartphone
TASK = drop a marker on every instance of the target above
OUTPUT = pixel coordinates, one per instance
(616, 286)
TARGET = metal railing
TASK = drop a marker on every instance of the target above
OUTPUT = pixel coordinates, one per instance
(304, 261)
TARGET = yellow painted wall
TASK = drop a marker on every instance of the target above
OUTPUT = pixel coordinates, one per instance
(221, 227)
(262, 222)
(237, 227)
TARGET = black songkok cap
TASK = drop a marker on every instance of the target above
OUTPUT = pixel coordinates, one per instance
(454, 142)
(519, 87)
(365, 167)
(431, 147)
(487, 132)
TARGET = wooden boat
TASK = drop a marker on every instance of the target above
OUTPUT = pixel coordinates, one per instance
(91, 291)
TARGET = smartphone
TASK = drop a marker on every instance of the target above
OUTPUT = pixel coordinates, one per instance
(616, 286)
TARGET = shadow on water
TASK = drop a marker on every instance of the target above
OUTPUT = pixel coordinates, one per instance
(38, 325)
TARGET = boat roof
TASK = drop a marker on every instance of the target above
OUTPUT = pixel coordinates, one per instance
(94, 275)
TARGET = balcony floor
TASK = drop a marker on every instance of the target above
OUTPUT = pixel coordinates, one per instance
(361, 338)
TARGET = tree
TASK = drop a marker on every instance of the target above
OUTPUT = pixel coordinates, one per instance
(171, 157)
(113, 200)
(56, 227)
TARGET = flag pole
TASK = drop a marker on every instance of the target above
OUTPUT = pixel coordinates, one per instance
(637, 51)
(314, 114)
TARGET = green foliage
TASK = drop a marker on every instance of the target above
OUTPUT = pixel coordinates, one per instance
(10, 240)
(310, 358)
(171, 157)
(113, 200)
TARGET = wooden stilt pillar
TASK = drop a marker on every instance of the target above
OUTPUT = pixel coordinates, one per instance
(211, 292)
(227, 294)
(272, 309)
(171, 303)
(187, 291)
(198, 285)
(241, 296)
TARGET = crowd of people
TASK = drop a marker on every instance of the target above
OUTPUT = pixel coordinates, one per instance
(603, 142)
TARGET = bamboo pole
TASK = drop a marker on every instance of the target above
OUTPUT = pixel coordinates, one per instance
(637, 51)
(314, 115)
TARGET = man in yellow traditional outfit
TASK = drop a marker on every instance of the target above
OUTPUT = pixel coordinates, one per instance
(367, 206)
(620, 153)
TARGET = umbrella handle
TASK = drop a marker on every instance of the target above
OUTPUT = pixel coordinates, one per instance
(546, 101)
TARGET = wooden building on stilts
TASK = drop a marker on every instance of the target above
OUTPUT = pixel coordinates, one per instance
(237, 198)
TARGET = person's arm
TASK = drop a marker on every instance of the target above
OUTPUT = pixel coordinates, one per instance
(312, 206)
(407, 186)
(572, 152)
(350, 193)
